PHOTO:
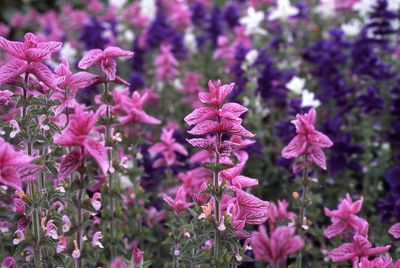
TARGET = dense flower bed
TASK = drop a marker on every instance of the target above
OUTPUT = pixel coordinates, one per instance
(200, 133)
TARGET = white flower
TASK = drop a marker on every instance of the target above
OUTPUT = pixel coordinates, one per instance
(296, 85)
(364, 7)
(125, 182)
(148, 8)
(352, 28)
(308, 99)
(190, 40)
(283, 11)
(251, 56)
(252, 22)
(326, 8)
(118, 3)
(129, 35)
(68, 52)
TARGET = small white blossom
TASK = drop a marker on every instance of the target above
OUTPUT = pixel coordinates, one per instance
(308, 99)
(283, 11)
(296, 85)
(252, 22)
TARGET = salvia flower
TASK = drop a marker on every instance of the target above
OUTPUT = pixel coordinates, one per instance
(168, 148)
(179, 204)
(205, 119)
(275, 248)
(27, 57)
(96, 201)
(345, 217)
(137, 257)
(77, 134)
(353, 251)
(308, 141)
(104, 59)
(395, 230)
(166, 64)
(66, 226)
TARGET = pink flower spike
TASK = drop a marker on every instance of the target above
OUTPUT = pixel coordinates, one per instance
(166, 64)
(308, 141)
(104, 59)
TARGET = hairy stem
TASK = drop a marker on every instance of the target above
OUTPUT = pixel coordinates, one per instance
(302, 211)
(109, 174)
(217, 237)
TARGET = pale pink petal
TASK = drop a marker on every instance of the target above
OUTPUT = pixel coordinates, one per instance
(234, 108)
(89, 58)
(36, 54)
(202, 143)
(13, 48)
(43, 73)
(199, 115)
(336, 228)
(109, 67)
(204, 127)
(51, 46)
(317, 156)
(117, 52)
(28, 172)
(296, 147)
(99, 153)
(179, 149)
(319, 139)
(10, 177)
(156, 149)
(345, 252)
(395, 230)
(12, 69)
(69, 164)
(82, 80)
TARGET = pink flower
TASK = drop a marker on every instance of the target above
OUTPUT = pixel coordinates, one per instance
(278, 247)
(5, 97)
(96, 201)
(166, 64)
(191, 88)
(131, 108)
(118, 263)
(77, 134)
(30, 50)
(358, 248)
(74, 81)
(66, 224)
(51, 230)
(179, 204)
(10, 162)
(168, 147)
(8, 262)
(308, 141)
(279, 211)
(19, 236)
(76, 253)
(345, 217)
(217, 118)
(27, 57)
(137, 257)
(104, 59)
(378, 262)
(62, 244)
(395, 230)
(233, 174)
(96, 240)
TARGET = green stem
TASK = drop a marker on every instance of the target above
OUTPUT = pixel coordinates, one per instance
(36, 227)
(217, 236)
(78, 262)
(302, 211)
(110, 175)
